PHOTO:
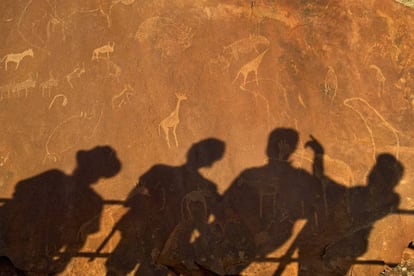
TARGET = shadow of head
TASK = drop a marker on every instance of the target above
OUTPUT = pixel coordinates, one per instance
(99, 162)
(205, 153)
(282, 143)
(386, 173)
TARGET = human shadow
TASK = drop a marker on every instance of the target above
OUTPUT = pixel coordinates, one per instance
(167, 205)
(50, 215)
(346, 216)
(263, 203)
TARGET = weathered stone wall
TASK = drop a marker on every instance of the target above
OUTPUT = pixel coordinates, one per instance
(150, 79)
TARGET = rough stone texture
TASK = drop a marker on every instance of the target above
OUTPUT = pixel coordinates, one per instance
(153, 80)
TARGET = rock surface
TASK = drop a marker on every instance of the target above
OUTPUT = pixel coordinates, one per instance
(255, 137)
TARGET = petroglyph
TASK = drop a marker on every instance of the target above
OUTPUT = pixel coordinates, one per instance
(331, 84)
(114, 70)
(269, 191)
(17, 58)
(76, 73)
(380, 78)
(25, 85)
(64, 101)
(281, 15)
(113, 3)
(54, 154)
(170, 37)
(246, 46)
(408, 3)
(6, 89)
(4, 159)
(54, 23)
(194, 197)
(348, 103)
(48, 85)
(250, 67)
(122, 98)
(103, 50)
(219, 62)
(62, 138)
(172, 121)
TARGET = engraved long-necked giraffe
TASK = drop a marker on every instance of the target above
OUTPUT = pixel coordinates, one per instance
(172, 120)
(251, 66)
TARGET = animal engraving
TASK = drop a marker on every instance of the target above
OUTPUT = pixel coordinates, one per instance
(123, 97)
(62, 138)
(64, 102)
(47, 85)
(24, 85)
(104, 50)
(8, 89)
(54, 22)
(108, 13)
(331, 84)
(114, 70)
(348, 103)
(76, 73)
(246, 45)
(380, 78)
(172, 121)
(270, 191)
(170, 37)
(251, 66)
(16, 58)
(193, 197)
(3, 159)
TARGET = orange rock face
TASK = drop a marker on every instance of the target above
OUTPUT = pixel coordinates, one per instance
(229, 137)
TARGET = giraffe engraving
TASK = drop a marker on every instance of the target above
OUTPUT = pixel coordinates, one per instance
(251, 66)
(172, 121)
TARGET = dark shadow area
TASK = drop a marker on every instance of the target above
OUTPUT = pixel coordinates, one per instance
(263, 203)
(51, 215)
(346, 219)
(177, 224)
(168, 209)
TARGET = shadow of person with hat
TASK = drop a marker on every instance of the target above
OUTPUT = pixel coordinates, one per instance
(51, 214)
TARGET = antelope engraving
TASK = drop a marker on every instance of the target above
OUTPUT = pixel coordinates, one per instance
(123, 97)
(76, 73)
(16, 58)
(251, 66)
(47, 85)
(104, 50)
(24, 85)
(172, 121)
(380, 78)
